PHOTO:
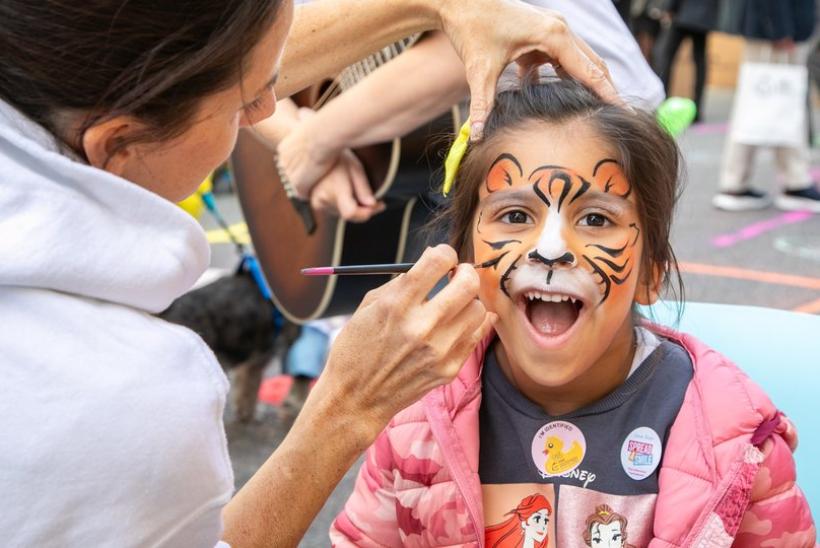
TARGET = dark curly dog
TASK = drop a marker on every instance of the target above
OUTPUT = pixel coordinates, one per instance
(238, 324)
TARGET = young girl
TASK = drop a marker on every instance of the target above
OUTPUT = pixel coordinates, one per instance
(565, 208)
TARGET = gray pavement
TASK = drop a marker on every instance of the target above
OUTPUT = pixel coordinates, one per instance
(767, 259)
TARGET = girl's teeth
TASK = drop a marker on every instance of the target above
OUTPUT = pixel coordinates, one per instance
(550, 297)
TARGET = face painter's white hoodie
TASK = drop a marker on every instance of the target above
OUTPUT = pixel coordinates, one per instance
(110, 419)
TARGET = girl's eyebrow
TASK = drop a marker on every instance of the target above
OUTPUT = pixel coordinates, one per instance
(515, 195)
(612, 200)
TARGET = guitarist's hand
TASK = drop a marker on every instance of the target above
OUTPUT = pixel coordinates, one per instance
(303, 157)
(345, 192)
(399, 345)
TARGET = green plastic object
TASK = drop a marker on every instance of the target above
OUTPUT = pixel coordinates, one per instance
(676, 114)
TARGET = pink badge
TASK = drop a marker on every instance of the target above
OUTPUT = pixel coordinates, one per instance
(558, 448)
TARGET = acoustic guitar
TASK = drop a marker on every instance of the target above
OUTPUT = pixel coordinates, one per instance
(398, 172)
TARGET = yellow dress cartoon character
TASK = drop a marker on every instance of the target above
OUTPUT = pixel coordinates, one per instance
(559, 461)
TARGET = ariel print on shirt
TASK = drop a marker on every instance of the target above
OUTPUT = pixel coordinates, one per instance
(518, 521)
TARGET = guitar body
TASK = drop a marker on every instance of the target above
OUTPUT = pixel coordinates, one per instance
(397, 173)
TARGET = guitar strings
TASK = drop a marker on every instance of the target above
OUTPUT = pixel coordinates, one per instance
(359, 70)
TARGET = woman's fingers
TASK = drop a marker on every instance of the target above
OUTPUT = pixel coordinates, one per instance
(397, 346)
(482, 78)
(460, 291)
(516, 30)
(435, 263)
(477, 324)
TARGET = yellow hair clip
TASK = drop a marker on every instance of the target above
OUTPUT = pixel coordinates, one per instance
(453, 160)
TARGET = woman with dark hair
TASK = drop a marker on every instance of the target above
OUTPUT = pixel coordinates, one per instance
(111, 110)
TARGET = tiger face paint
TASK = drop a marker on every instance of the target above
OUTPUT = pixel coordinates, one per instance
(557, 238)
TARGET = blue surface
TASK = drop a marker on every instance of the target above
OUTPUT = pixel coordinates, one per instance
(779, 350)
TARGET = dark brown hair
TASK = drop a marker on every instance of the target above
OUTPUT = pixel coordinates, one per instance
(152, 59)
(604, 515)
(648, 155)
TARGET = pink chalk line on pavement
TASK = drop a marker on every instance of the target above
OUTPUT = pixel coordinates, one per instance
(756, 229)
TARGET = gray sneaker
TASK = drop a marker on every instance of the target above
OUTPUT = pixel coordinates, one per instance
(807, 199)
(746, 200)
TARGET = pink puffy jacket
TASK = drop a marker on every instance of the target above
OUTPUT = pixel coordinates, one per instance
(727, 478)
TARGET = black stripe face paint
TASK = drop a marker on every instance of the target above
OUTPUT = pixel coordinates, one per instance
(492, 262)
(505, 278)
(591, 236)
(502, 243)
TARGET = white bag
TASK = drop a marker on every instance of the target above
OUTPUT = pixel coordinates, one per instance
(771, 106)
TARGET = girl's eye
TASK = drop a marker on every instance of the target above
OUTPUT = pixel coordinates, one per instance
(516, 217)
(595, 219)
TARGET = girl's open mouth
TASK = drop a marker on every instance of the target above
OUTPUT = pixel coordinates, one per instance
(551, 314)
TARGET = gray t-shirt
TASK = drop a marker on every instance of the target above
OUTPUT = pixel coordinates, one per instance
(592, 464)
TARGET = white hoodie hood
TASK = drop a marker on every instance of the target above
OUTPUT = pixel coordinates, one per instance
(67, 226)
(111, 417)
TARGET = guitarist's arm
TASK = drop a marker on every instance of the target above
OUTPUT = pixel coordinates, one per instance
(412, 89)
(342, 189)
(487, 34)
(395, 99)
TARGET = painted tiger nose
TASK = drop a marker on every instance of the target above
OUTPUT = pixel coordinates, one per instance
(567, 259)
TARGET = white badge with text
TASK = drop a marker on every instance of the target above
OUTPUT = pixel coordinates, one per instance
(641, 453)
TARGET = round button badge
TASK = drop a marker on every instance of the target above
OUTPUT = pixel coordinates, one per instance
(641, 453)
(558, 448)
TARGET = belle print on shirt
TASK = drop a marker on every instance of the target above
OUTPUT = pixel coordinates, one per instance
(606, 528)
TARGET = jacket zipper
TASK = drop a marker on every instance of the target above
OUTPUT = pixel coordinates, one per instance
(448, 440)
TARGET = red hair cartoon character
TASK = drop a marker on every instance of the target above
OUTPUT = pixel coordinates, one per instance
(527, 526)
(606, 528)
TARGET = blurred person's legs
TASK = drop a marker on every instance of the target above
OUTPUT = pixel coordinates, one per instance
(646, 31)
(665, 57)
(793, 163)
(699, 56)
(671, 42)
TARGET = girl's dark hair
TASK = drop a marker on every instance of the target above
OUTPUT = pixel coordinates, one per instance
(152, 59)
(649, 156)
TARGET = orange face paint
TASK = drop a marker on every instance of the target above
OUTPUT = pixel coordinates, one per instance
(554, 237)
(557, 236)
